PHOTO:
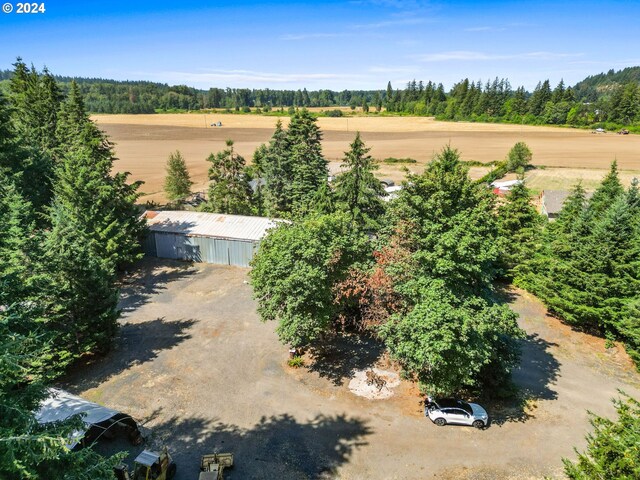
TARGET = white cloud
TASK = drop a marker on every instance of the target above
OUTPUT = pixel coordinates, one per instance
(463, 55)
(243, 76)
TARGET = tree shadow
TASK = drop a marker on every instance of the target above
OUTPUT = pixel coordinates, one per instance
(337, 358)
(136, 343)
(276, 447)
(533, 379)
(149, 277)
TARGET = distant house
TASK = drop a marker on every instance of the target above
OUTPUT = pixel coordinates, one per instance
(391, 192)
(551, 202)
(501, 188)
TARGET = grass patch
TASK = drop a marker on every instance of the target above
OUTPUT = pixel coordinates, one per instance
(392, 160)
(296, 362)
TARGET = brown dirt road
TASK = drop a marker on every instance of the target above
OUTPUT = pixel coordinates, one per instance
(194, 361)
(143, 144)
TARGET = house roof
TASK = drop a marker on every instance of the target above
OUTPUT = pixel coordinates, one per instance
(553, 200)
(201, 224)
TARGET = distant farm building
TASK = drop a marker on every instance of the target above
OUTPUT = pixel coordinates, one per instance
(392, 192)
(205, 237)
(503, 187)
(551, 202)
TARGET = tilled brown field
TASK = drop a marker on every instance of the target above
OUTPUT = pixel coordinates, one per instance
(143, 144)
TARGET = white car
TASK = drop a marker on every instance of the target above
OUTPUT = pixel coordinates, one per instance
(456, 412)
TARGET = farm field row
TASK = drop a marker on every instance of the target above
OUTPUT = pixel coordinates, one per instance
(143, 143)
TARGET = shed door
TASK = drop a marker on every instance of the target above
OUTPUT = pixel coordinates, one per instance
(169, 245)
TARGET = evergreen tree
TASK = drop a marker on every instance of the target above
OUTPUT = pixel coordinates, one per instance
(102, 202)
(541, 95)
(610, 188)
(275, 165)
(309, 167)
(80, 300)
(447, 316)
(612, 447)
(34, 102)
(229, 190)
(450, 222)
(389, 96)
(15, 242)
(177, 183)
(519, 225)
(357, 190)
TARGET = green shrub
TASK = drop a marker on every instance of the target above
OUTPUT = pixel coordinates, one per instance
(399, 160)
(296, 362)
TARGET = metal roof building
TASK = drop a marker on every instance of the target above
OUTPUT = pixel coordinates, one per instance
(61, 405)
(552, 201)
(205, 237)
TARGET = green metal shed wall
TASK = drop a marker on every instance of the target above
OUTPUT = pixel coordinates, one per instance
(201, 249)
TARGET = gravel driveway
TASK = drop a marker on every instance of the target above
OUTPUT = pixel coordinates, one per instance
(194, 362)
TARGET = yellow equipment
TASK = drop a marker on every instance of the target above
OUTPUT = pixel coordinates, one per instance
(149, 466)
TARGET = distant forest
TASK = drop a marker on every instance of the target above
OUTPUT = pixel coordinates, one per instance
(610, 100)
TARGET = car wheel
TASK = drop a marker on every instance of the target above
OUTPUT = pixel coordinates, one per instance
(171, 471)
(478, 424)
(441, 422)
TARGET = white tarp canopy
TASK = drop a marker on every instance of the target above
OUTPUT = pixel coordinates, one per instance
(507, 184)
(61, 405)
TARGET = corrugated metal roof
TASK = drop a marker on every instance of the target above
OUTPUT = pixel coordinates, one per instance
(210, 224)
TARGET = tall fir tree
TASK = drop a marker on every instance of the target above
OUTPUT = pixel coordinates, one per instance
(102, 202)
(520, 228)
(275, 166)
(229, 190)
(357, 190)
(450, 221)
(80, 300)
(177, 182)
(309, 167)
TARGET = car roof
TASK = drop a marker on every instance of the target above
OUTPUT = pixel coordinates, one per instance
(453, 403)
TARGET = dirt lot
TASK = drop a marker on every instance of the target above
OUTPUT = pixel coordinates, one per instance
(143, 144)
(195, 363)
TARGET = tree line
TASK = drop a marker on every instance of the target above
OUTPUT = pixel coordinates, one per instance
(496, 101)
(112, 96)
(585, 265)
(610, 100)
(67, 225)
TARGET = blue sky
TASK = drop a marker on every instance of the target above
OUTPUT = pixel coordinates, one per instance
(325, 44)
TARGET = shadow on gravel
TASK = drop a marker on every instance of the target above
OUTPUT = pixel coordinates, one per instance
(135, 344)
(534, 380)
(148, 278)
(276, 447)
(337, 358)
